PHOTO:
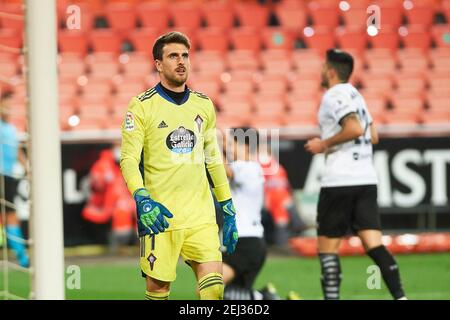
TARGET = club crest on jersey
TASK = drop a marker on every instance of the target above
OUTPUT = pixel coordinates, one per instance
(181, 140)
(152, 259)
(129, 121)
(198, 120)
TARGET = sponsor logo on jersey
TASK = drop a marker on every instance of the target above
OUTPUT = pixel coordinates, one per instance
(129, 122)
(181, 140)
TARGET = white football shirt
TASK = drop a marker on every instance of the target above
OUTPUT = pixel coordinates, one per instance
(349, 163)
(247, 190)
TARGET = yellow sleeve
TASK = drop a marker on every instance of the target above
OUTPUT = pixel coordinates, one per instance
(133, 133)
(213, 159)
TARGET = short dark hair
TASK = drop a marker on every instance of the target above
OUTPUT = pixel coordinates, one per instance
(342, 62)
(170, 37)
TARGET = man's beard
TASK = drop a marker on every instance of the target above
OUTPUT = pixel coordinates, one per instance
(176, 82)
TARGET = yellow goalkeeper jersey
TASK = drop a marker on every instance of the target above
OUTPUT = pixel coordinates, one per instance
(170, 149)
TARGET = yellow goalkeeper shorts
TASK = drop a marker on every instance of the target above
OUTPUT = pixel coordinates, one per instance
(159, 253)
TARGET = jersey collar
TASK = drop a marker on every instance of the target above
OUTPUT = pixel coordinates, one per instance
(161, 92)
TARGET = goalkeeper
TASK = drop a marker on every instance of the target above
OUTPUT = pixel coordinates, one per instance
(168, 138)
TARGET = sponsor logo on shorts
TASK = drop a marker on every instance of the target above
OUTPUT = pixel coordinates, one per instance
(181, 140)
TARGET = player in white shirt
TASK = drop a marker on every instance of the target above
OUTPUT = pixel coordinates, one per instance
(247, 188)
(348, 195)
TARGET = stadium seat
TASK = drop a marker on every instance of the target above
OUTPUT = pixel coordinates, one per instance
(302, 106)
(269, 104)
(354, 38)
(355, 17)
(399, 119)
(324, 15)
(380, 81)
(276, 61)
(105, 40)
(12, 39)
(407, 105)
(73, 42)
(8, 69)
(392, 14)
(15, 19)
(386, 66)
(292, 15)
(441, 35)
(130, 84)
(121, 16)
(185, 14)
(266, 121)
(246, 38)
(137, 64)
(441, 63)
(143, 39)
(305, 88)
(413, 60)
(275, 84)
(277, 38)
(410, 82)
(239, 86)
(307, 61)
(208, 62)
(320, 40)
(415, 36)
(243, 60)
(251, 14)
(438, 104)
(387, 38)
(438, 81)
(213, 39)
(96, 88)
(420, 15)
(153, 15)
(218, 14)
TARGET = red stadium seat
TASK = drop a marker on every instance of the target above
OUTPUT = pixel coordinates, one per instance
(438, 104)
(379, 81)
(441, 35)
(410, 83)
(96, 87)
(381, 66)
(266, 121)
(218, 14)
(399, 119)
(407, 105)
(208, 62)
(131, 86)
(12, 39)
(324, 15)
(321, 40)
(391, 14)
(8, 69)
(121, 16)
(15, 19)
(239, 86)
(277, 38)
(71, 68)
(416, 37)
(300, 105)
(136, 64)
(245, 38)
(355, 17)
(252, 14)
(105, 41)
(352, 38)
(307, 61)
(275, 84)
(153, 15)
(213, 39)
(243, 60)
(441, 117)
(73, 41)
(387, 38)
(269, 105)
(185, 15)
(292, 15)
(420, 15)
(276, 61)
(143, 39)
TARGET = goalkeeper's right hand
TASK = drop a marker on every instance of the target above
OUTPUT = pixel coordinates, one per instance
(150, 214)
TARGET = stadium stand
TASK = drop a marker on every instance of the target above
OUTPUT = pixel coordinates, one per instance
(246, 48)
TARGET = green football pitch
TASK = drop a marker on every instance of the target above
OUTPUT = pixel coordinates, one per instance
(425, 276)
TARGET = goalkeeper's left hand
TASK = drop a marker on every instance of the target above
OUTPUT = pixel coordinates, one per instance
(230, 233)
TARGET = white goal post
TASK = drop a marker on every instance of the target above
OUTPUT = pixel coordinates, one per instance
(47, 248)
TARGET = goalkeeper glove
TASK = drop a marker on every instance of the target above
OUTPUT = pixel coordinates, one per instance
(151, 215)
(230, 233)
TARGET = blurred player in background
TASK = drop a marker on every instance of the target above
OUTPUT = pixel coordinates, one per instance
(348, 195)
(10, 153)
(168, 136)
(241, 269)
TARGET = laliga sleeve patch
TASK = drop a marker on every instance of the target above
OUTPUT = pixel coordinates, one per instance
(129, 122)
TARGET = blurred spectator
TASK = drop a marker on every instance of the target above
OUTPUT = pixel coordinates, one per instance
(10, 153)
(279, 202)
(110, 203)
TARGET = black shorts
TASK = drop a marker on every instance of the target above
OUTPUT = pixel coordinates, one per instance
(10, 190)
(345, 210)
(246, 261)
